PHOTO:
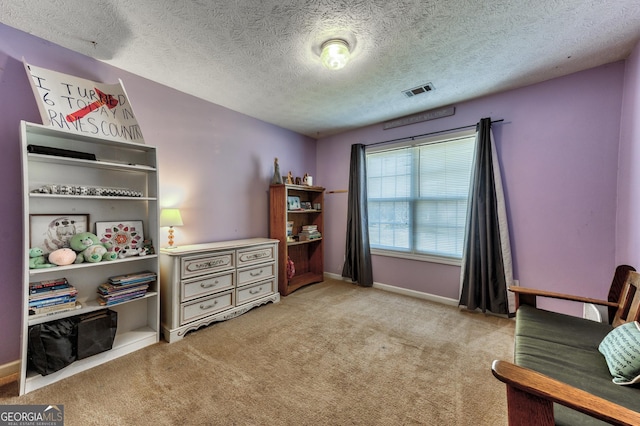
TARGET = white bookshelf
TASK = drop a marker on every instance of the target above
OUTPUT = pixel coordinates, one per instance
(120, 165)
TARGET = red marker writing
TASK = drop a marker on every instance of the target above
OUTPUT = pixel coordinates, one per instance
(104, 99)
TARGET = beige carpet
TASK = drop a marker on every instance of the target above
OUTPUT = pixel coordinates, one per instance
(329, 354)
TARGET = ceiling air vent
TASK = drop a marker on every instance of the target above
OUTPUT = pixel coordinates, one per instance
(418, 90)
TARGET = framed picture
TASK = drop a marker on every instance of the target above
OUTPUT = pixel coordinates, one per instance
(293, 203)
(306, 205)
(124, 236)
(53, 231)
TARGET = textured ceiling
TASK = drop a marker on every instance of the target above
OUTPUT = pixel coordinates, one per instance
(260, 57)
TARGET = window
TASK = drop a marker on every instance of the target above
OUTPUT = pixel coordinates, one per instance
(417, 196)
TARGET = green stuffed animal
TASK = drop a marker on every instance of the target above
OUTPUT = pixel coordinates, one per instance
(37, 260)
(90, 249)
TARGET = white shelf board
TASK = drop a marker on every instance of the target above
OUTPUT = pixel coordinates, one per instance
(87, 306)
(123, 345)
(33, 272)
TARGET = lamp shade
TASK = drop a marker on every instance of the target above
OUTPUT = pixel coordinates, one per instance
(335, 54)
(170, 217)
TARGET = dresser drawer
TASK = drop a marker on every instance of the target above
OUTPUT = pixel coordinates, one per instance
(193, 266)
(256, 273)
(202, 286)
(199, 308)
(253, 255)
(254, 291)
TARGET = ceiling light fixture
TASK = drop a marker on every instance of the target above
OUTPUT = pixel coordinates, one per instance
(335, 53)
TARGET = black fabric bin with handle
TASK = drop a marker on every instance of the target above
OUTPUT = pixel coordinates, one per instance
(96, 332)
(52, 345)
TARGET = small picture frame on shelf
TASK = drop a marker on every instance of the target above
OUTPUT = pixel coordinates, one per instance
(305, 205)
(51, 232)
(293, 202)
(125, 237)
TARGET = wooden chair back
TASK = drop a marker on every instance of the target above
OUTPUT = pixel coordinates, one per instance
(617, 284)
(629, 301)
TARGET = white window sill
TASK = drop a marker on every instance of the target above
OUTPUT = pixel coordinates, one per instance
(419, 257)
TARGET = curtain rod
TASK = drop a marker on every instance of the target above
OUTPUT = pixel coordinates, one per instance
(339, 191)
(429, 134)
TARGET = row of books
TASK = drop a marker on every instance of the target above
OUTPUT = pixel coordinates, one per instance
(51, 296)
(121, 288)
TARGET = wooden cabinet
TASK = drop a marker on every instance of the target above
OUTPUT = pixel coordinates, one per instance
(120, 184)
(205, 283)
(297, 208)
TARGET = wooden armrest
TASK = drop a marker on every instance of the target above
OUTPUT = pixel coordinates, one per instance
(530, 394)
(527, 296)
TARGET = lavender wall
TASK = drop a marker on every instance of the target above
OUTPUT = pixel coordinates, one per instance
(215, 164)
(628, 225)
(558, 148)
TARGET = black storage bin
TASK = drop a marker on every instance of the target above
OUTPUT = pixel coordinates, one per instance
(96, 331)
(52, 345)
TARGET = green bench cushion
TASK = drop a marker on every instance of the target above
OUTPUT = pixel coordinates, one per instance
(566, 348)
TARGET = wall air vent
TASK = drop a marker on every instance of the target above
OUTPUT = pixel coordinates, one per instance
(418, 90)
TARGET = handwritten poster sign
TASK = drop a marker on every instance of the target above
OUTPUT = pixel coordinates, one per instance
(84, 106)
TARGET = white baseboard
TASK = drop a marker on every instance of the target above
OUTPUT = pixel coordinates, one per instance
(403, 291)
(9, 372)
(336, 276)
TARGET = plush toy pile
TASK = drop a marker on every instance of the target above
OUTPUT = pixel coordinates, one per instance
(85, 247)
(90, 249)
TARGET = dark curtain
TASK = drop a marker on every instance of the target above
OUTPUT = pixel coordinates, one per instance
(357, 265)
(486, 263)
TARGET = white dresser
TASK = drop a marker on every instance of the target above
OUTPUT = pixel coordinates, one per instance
(205, 283)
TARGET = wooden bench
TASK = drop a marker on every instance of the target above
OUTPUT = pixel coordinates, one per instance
(574, 385)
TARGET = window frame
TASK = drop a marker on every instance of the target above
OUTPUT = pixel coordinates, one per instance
(411, 254)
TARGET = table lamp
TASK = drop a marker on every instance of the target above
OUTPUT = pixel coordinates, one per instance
(170, 218)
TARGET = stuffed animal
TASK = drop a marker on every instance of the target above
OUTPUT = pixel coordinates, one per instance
(90, 249)
(147, 245)
(63, 256)
(37, 260)
(128, 252)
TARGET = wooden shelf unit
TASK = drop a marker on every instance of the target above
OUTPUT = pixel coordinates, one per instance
(307, 256)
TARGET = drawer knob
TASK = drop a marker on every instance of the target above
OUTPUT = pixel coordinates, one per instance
(205, 307)
(254, 291)
(256, 274)
(208, 285)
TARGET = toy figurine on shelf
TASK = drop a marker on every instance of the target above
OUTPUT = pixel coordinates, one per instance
(290, 178)
(307, 180)
(277, 177)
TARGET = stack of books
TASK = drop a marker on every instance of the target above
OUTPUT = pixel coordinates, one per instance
(51, 296)
(309, 232)
(122, 288)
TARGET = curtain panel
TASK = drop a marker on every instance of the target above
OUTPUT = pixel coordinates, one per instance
(486, 263)
(357, 265)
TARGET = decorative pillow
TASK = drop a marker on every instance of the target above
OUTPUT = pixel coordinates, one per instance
(621, 350)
